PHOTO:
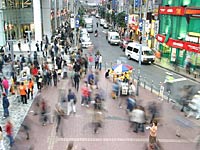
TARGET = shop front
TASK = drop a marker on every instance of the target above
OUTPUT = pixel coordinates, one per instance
(180, 51)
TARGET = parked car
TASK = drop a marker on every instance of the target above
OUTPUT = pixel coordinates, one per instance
(124, 42)
(133, 51)
(97, 15)
(106, 25)
(102, 22)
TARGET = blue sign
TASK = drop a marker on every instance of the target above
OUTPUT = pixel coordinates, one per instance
(137, 3)
(77, 22)
(140, 25)
(126, 19)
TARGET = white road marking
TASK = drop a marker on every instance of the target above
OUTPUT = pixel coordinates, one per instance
(122, 140)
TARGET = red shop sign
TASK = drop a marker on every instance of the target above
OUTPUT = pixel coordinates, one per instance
(160, 38)
(192, 11)
(175, 43)
(192, 47)
(179, 11)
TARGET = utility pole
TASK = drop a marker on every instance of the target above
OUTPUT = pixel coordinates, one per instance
(127, 13)
(29, 39)
(141, 41)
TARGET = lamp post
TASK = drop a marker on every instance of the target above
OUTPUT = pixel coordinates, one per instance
(141, 40)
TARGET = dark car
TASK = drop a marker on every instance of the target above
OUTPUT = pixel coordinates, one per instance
(124, 42)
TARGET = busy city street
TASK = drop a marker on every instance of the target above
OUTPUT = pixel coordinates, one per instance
(103, 75)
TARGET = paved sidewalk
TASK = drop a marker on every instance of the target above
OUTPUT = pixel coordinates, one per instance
(115, 133)
(166, 64)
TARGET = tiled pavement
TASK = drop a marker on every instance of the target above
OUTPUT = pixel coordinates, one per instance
(115, 133)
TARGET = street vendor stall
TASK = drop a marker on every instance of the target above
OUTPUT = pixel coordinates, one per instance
(121, 73)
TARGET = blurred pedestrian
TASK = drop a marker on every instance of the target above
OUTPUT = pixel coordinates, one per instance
(85, 95)
(55, 77)
(30, 88)
(5, 106)
(76, 80)
(26, 129)
(137, 119)
(100, 61)
(5, 85)
(96, 79)
(131, 103)
(153, 110)
(71, 98)
(23, 92)
(59, 114)
(9, 132)
(70, 146)
(97, 118)
(1, 139)
(44, 110)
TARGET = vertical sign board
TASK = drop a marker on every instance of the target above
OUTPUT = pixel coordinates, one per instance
(140, 25)
(72, 23)
(156, 27)
(113, 4)
(137, 3)
(77, 22)
(126, 19)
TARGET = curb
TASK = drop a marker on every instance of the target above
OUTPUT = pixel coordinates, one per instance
(193, 79)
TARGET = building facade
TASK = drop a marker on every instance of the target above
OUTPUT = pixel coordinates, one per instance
(37, 16)
(179, 31)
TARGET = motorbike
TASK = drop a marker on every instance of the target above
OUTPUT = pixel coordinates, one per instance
(96, 34)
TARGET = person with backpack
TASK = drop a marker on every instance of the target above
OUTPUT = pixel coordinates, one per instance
(5, 104)
(71, 98)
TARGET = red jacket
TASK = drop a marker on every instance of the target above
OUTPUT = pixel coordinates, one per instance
(8, 128)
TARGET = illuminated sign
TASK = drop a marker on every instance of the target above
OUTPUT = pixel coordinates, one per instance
(179, 11)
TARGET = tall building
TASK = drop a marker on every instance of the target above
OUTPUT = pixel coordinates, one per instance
(179, 32)
(37, 16)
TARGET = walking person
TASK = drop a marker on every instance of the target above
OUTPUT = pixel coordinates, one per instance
(85, 95)
(23, 92)
(71, 98)
(5, 106)
(55, 77)
(100, 61)
(9, 132)
(96, 61)
(5, 85)
(1, 139)
(59, 114)
(30, 88)
(76, 80)
(39, 82)
(37, 46)
(19, 46)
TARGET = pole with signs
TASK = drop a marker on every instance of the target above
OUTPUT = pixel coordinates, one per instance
(141, 40)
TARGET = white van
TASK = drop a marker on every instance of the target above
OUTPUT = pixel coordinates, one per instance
(113, 38)
(133, 50)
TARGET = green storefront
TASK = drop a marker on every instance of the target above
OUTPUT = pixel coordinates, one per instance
(179, 31)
